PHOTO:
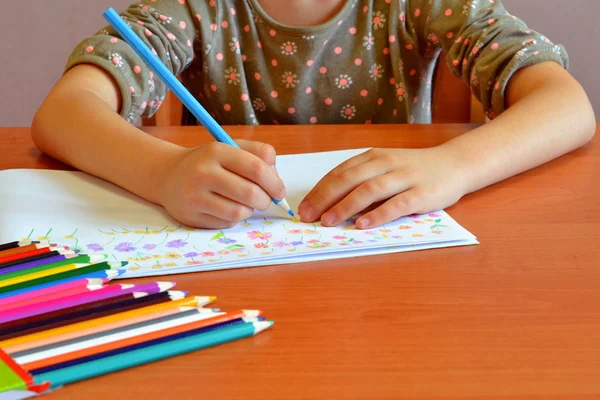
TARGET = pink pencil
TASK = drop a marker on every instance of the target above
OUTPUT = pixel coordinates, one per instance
(82, 298)
(52, 289)
(52, 296)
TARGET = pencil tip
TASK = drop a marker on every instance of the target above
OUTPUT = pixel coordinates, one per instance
(292, 214)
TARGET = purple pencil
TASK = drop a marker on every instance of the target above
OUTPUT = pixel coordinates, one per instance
(36, 263)
(82, 298)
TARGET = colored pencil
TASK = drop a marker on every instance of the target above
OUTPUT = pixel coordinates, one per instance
(94, 321)
(17, 243)
(24, 249)
(186, 98)
(48, 257)
(50, 296)
(76, 314)
(124, 346)
(94, 329)
(81, 259)
(24, 297)
(153, 353)
(78, 299)
(127, 332)
(103, 274)
(56, 277)
(32, 253)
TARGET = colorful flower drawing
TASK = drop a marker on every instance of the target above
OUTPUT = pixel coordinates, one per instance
(258, 235)
(125, 247)
(295, 231)
(226, 240)
(94, 247)
(170, 264)
(297, 243)
(207, 254)
(176, 244)
(261, 246)
(149, 246)
(280, 244)
(404, 227)
(224, 252)
(172, 256)
(191, 254)
(338, 237)
(193, 262)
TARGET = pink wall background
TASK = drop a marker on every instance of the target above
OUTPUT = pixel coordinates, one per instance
(37, 36)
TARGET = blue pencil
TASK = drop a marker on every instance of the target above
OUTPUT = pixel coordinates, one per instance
(176, 87)
(146, 355)
(105, 274)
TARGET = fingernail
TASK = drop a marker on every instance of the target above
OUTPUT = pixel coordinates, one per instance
(363, 223)
(305, 211)
(328, 219)
(282, 194)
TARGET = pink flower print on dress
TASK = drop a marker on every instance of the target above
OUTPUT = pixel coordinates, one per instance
(368, 41)
(289, 79)
(116, 59)
(289, 48)
(163, 19)
(400, 92)
(343, 81)
(348, 112)
(376, 72)
(259, 105)
(232, 76)
(378, 20)
(433, 38)
(234, 45)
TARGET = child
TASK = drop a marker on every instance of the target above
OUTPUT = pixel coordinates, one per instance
(314, 61)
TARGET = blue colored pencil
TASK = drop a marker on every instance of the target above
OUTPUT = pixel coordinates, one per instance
(176, 87)
(146, 355)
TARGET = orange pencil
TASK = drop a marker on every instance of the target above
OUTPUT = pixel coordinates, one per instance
(22, 249)
(141, 338)
(191, 301)
(94, 329)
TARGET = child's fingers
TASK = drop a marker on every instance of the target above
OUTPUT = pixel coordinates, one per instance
(249, 166)
(405, 203)
(207, 221)
(374, 190)
(333, 188)
(264, 151)
(240, 190)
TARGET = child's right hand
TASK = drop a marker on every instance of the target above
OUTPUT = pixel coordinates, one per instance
(217, 185)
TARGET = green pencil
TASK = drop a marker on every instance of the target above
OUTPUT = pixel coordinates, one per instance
(82, 259)
(76, 272)
(149, 354)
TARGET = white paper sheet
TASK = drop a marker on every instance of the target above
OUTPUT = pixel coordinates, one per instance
(92, 216)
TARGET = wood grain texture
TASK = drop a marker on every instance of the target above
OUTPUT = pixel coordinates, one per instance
(517, 316)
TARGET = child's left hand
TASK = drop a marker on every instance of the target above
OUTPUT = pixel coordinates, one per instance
(415, 181)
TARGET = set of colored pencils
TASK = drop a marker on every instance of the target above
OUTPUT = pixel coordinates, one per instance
(61, 321)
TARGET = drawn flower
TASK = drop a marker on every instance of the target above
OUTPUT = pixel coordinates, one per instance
(238, 250)
(232, 76)
(234, 45)
(343, 81)
(157, 266)
(349, 228)
(193, 262)
(258, 105)
(290, 250)
(418, 222)
(290, 79)
(370, 232)
(191, 254)
(428, 220)
(266, 252)
(295, 221)
(344, 244)
(157, 256)
(261, 246)
(242, 255)
(172, 256)
(207, 254)
(212, 260)
(171, 230)
(434, 215)
(246, 223)
(289, 48)
(280, 244)
(124, 247)
(296, 243)
(385, 230)
(43, 238)
(125, 232)
(368, 41)
(312, 241)
(404, 227)
(338, 237)
(397, 237)
(94, 247)
(257, 235)
(348, 112)
(295, 231)
(226, 240)
(310, 231)
(417, 235)
(139, 259)
(378, 20)
(149, 246)
(140, 232)
(437, 232)
(134, 268)
(176, 244)
(69, 237)
(223, 252)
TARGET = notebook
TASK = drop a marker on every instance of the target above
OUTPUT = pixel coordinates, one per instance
(93, 216)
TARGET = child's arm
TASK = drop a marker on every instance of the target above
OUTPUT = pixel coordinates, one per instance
(211, 186)
(549, 115)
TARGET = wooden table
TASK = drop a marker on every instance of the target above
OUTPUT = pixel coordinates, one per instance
(517, 316)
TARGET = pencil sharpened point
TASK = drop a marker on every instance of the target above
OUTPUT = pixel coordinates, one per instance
(291, 213)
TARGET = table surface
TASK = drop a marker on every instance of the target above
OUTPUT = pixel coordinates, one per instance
(517, 316)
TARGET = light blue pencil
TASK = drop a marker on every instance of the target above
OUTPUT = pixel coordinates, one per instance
(147, 355)
(176, 87)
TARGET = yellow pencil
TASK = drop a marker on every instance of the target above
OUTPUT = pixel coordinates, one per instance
(49, 272)
(191, 301)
